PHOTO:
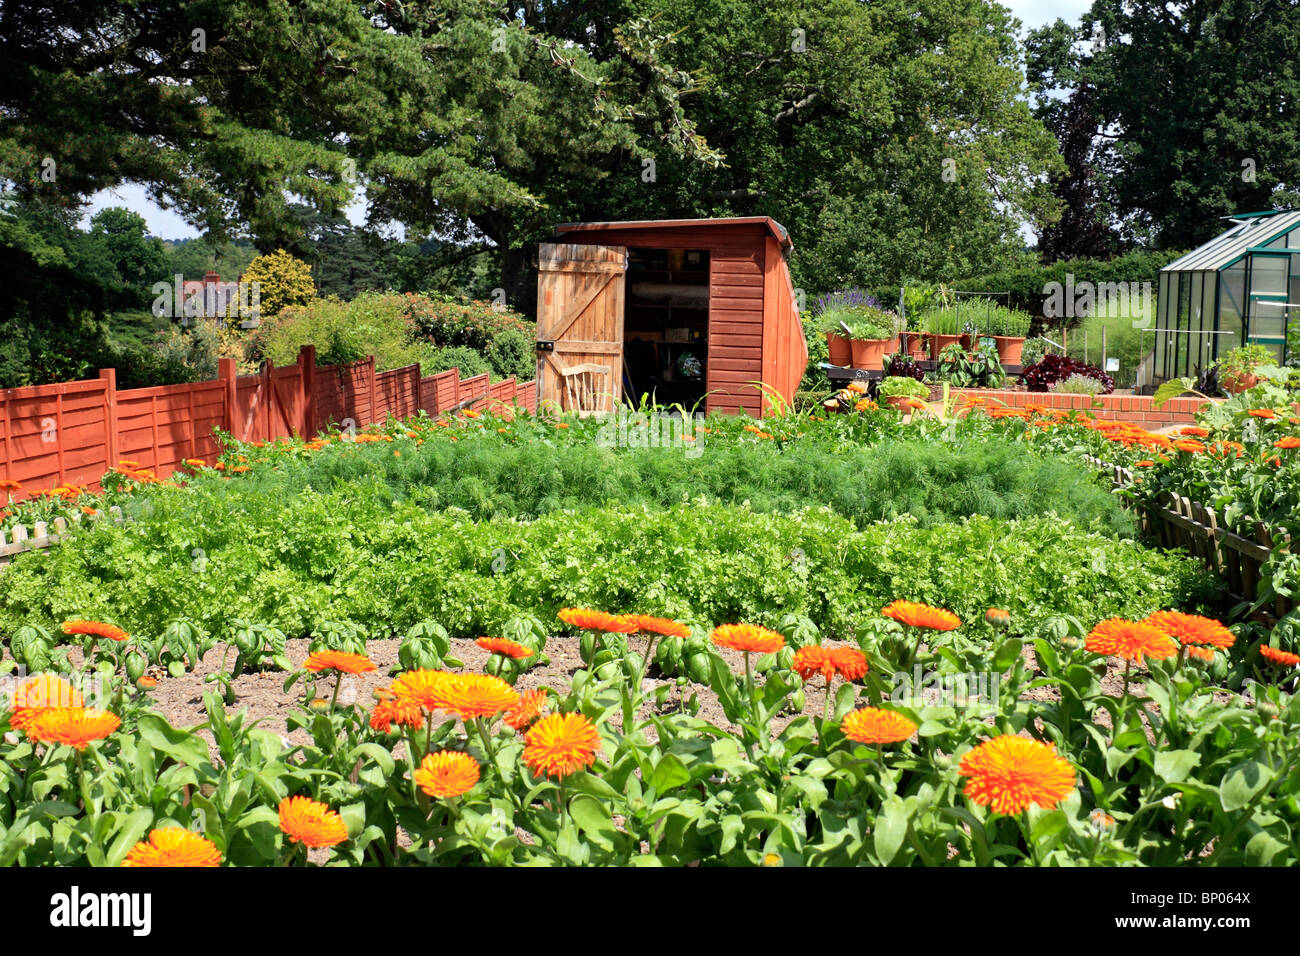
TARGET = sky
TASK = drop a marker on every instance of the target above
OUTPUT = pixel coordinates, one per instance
(166, 224)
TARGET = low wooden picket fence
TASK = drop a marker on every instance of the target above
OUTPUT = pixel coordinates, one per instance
(1178, 522)
(42, 534)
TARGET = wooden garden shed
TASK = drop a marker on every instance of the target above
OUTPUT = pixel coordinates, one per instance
(684, 310)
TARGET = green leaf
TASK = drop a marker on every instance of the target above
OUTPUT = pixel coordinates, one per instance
(891, 829)
(593, 818)
(180, 745)
(1173, 766)
(129, 833)
(668, 774)
(1242, 783)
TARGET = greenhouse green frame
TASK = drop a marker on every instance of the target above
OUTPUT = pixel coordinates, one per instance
(1241, 286)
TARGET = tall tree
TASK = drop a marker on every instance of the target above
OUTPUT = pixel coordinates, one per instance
(1197, 109)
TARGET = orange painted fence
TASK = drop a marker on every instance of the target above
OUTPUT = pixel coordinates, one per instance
(73, 432)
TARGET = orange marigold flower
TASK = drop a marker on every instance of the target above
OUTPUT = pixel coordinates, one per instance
(1193, 431)
(1009, 773)
(75, 726)
(1192, 628)
(172, 846)
(447, 774)
(646, 624)
(339, 661)
(1285, 658)
(1190, 445)
(528, 708)
(850, 662)
(469, 696)
(128, 463)
(560, 744)
(1202, 653)
(39, 692)
(7, 484)
(145, 682)
(874, 725)
(1130, 640)
(997, 617)
(1262, 413)
(921, 615)
(501, 645)
(96, 629)
(813, 660)
(748, 637)
(403, 711)
(589, 620)
(196, 462)
(1144, 463)
(1290, 441)
(424, 687)
(313, 824)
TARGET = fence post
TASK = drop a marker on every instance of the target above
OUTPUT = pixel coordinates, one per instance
(268, 397)
(374, 393)
(307, 382)
(109, 375)
(227, 373)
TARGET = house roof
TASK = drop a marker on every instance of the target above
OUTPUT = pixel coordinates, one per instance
(777, 230)
(1248, 232)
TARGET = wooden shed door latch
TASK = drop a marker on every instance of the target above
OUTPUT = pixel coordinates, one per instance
(544, 346)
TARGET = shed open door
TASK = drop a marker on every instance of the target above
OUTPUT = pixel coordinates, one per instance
(580, 326)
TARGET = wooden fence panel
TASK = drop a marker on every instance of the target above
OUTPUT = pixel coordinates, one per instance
(75, 431)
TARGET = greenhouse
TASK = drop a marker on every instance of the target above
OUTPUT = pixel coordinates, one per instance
(1239, 287)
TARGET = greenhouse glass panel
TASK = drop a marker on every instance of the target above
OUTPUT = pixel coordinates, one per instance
(1232, 295)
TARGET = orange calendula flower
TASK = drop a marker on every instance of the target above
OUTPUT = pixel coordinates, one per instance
(1192, 431)
(447, 774)
(874, 725)
(1009, 773)
(470, 696)
(7, 484)
(1290, 441)
(748, 637)
(1284, 658)
(339, 661)
(813, 660)
(1190, 445)
(921, 615)
(1130, 640)
(1192, 628)
(560, 744)
(997, 617)
(588, 620)
(646, 624)
(404, 712)
(1262, 413)
(426, 688)
(313, 824)
(40, 692)
(850, 662)
(172, 846)
(501, 645)
(95, 629)
(1144, 463)
(145, 682)
(196, 462)
(1201, 653)
(528, 708)
(74, 726)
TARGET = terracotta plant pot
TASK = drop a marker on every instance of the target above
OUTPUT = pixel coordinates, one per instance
(840, 348)
(869, 353)
(940, 342)
(1234, 384)
(1009, 349)
(899, 402)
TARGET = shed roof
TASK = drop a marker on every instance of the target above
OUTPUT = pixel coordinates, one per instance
(777, 230)
(1256, 229)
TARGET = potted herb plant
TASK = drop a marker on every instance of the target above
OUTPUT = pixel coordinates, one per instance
(942, 330)
(1009, 328)
(833, 323)
(898, 390)
(1237, 370)
(870, 342)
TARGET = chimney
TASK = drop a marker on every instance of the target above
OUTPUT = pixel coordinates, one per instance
(211, 278)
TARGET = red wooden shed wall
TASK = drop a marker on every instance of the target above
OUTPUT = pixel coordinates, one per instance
(753, 326)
